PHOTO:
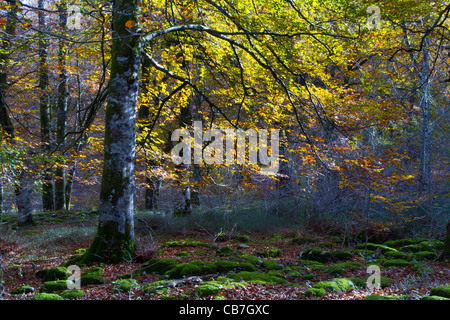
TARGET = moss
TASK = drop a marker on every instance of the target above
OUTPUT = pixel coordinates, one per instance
(110, 245)
(337, 284)
(185, 243)
(257, 277)
(396, 263)
(316, 292)
(156, 265)
(425, 255)
(154, 287)
(24, 289)
(92, 276)
(268, 253)
(41, 273)
(56, 273)
(222, 251)
(243, 239)
(302, 240)
(314, 254)
(341, 268)
(309, 276)
(434, 298)
(314, 265)
(193, 268)
(324, 256)
(374, 247)
(206, 290)
(125, 285)
(47, 296)
(271, 265)
(54, 286)
(183, 254)
(378, 297)
(175, 297)
(443, 291)
(80, 251)
(397, 255)
(358, 282)
(326, 245)
(72, 294)
(399, 243)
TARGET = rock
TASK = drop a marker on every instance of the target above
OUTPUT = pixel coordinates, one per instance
(443, 291)
(54, 286)
(72, 293)
(316, 292)
(156, 265)
(47, 296)
(23, 290)
(56, 273)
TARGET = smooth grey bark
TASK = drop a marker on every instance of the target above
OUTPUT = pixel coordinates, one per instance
(61, 113)
(114, 241)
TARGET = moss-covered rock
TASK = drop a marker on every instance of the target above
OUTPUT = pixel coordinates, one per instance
(53, 286)
(41, 273)
(434, 298)
(268, 253)
(47, 296)
(92, 276)
(443, 291)
(256, 277)
(398, 255)
(223, 251)
(243, 238)
(424, 255)
(24, 289)
(186, 243)
(324, 256)
(72, 293)
(125, 285)
(378, 297)
(396, 263)
(156, 265)
(337, 284)
(374, 247)
(400, 242)
(56, 273)
(206, 290)
(309, 276)
(315, 292)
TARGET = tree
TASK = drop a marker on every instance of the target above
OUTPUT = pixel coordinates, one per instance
(115, 234)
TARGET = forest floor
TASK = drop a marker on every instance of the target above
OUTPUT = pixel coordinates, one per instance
(287, 265)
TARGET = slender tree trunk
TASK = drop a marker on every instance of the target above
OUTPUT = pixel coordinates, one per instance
(23, 200)
(425, 152)
(445, 255)
(114, 241)
(44, 110)
(60, 177)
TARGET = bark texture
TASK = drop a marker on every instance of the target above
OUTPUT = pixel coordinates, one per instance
(114, 241)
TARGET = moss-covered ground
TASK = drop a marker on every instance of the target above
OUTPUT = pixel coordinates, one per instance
(293, 264)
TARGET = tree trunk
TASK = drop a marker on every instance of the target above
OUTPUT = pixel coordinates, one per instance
(23, 201)
(114, 241)
(44, 111)
(60, 177)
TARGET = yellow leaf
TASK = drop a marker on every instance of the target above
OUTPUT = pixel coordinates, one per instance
(129, 24)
